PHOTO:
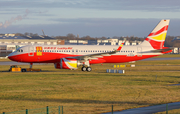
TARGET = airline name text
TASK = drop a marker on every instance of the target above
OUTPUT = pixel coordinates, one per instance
(58, 48)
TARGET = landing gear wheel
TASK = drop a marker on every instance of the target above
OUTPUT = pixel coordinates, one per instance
(83, 68)
(88, 69)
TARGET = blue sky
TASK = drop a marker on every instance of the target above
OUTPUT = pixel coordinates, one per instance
(95, 18)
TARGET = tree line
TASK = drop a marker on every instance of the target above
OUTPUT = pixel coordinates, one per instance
(169, 42)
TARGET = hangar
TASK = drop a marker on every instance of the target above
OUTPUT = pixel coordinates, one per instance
(10, 42)
(26, 40)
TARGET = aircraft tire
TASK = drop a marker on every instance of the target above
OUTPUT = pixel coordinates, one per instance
(89, 69)
(83, 68)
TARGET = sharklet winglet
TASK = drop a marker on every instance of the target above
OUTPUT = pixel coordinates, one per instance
(119, 48)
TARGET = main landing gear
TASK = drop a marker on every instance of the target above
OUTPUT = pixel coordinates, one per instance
(86, 69)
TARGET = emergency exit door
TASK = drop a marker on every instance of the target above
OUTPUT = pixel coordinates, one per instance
(31, 51)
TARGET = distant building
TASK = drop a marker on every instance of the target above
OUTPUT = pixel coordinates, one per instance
(10, 39)
(92, 42)
(82, 42)
(10, 42)
(3, 51)
(175, 50)
(100, 42)
(60, 42)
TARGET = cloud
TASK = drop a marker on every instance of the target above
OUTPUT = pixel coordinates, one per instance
(13, 20)
(143, 5)
(97, 27)
(88, 17)
(91, 27)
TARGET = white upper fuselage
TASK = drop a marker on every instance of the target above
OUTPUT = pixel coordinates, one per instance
(47, 53)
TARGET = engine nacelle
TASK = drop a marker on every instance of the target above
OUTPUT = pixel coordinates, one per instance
(67, 64)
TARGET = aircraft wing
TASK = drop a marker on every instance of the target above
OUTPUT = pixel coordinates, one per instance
(97, 55)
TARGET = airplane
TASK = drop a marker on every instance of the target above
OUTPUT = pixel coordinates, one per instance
(72, 56)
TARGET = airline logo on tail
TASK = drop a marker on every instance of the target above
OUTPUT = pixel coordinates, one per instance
(157, 37)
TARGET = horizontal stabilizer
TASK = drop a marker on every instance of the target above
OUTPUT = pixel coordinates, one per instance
(158, 50)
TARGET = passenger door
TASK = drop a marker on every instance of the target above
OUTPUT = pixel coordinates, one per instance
(31, 51)
(139, 51)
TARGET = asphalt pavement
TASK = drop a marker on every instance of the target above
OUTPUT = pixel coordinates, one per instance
(18, 63)
(149, 110)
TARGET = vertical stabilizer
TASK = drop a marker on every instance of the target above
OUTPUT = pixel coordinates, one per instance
(157, 37)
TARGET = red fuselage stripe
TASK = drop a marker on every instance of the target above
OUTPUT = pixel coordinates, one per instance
(55, 58)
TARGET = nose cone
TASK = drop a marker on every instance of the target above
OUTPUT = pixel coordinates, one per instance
(11, 56)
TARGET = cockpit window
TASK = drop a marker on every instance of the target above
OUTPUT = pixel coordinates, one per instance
(19, 50)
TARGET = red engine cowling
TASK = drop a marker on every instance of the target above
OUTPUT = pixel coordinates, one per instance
(66, 64)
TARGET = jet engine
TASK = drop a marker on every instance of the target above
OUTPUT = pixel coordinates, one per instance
(67, 64)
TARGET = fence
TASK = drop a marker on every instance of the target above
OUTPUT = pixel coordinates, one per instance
(46, 110)
(67, 110)
(109, 109)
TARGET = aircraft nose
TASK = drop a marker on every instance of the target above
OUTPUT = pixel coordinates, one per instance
(10, 56)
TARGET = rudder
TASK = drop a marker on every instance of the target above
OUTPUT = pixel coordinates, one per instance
(157, 37)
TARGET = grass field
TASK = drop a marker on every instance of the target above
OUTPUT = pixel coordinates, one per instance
(91, 92)
(4, 59)
(168, 55)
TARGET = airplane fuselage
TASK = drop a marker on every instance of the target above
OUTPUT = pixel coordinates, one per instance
(53, 54)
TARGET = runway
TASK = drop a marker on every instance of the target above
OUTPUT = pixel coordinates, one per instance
(150, 109)
(18, 63)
